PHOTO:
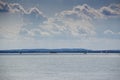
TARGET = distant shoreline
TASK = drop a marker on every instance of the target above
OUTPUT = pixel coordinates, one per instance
(57, 51)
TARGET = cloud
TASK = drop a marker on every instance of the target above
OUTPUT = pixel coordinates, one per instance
(108, 32)
(76, 22)
(82, 12)
(86, 12)
(31, 27)
(67, 24)
(17, 8)
(111, 32)
(31, 18)
(68, 28)
(111, 10)
(79, 20)
(11, 8)
(4, 7)
(34, 15)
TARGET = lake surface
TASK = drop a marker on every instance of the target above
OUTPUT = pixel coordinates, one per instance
(59, 67)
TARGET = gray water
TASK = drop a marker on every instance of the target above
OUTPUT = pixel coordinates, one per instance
(59, 67)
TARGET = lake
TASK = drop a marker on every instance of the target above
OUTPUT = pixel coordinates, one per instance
(60, 67)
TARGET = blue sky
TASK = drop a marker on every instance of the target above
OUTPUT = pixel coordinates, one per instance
(91, 24)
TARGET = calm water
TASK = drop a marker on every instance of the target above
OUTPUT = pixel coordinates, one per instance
(59, 67)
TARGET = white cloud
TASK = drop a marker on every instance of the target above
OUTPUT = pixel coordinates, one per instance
(108, 32)
(111, 10)
(62, 27)
(17, 8)
(86, 12)
(11, 8)
(70, 24)
(77, 22)
(34, 10)
(31, 19)
(82, 12)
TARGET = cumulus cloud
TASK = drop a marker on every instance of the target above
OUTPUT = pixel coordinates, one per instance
(69, 23)
(4, 7)
(79, 12)
(34, 15)
(111, 10)
(31, 18)
(63, 27)
(79, 20)
(86, 12)
(76, 22)
(17, 8)
(12, 8)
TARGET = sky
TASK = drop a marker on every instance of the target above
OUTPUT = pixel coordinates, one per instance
(89, 24)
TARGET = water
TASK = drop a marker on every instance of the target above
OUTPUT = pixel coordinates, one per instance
(59, 67)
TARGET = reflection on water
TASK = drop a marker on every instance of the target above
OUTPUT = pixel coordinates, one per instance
(59, 67)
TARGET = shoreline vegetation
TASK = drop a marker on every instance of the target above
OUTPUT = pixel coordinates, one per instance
(64, 50)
